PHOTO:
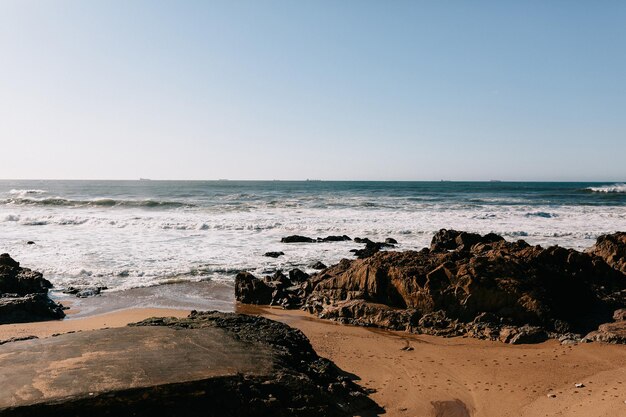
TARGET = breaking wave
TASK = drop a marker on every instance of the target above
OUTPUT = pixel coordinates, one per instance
(101, 202)
(614, 188)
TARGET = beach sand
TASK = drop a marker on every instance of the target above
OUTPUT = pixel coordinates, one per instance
(439, 377)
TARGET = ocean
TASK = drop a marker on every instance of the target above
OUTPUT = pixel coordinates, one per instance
(129, 234)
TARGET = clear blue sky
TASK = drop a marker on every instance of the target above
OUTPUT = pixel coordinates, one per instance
(409, 90)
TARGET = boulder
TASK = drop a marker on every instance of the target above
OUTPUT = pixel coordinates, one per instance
(29, 308)
(297, 239)
(273, 254)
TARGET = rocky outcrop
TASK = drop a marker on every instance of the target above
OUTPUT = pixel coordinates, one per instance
(612, 248)
(215, 364)
(23, 294)
(278, 289)
(468, 284)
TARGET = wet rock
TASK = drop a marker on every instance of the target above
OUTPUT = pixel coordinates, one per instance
(273, 254)
(30, 242)
(318, 265)
(391, 241)
(334, 239)
(29, 308)
(297, 239)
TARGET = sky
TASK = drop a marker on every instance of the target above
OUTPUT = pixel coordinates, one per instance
(346, 90)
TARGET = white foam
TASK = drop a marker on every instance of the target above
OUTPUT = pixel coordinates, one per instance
(134, 247)
(614, 188)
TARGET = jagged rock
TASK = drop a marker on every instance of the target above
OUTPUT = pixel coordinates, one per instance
(251, 290)
(480, 286)
(391, 241)
(318, 265)
(612, 248)
(370, 248)
(297, 239)
(273, 254)
(84, 292)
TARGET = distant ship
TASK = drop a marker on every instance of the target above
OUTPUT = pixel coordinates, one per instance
(310, 180)
(495, 181)
(145, 179)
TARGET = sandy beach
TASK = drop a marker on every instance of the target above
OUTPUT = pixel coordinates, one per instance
(435, 376)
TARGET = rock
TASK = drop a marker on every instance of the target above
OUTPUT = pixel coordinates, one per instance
(297, 239)
(273, 254)
(551, 395)
(619, 314)
(251, 290)
(23, 294)
(391, 241)
(18, 339)
(217, 364)
(296, 275)
(318, 265)
(29, 308)
(579, 385)
(456, 240)
(614, 333)
(30, 242)
(612, 248)
(6, 260)
(334, 239)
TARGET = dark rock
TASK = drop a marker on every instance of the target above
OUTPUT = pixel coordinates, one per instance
(318, 265)
(29, 308)
(297, 239)
(84, 292)
(612, 248)
(273, 254)
(30, 242)
(333, 238)
(297, 275)
(391, 241)
(6, 260)
(453, 240)
(23, 294)
(17, 339)
(251, 290)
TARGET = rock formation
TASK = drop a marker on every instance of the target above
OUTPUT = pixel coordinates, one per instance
(23, 294)
(468, 284)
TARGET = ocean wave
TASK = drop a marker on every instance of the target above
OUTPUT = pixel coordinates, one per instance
(542, 214)
(614, 188)
(100, 202)
(26, 192)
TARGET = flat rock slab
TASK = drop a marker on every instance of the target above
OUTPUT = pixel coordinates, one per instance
(106, 360)
(209, 364)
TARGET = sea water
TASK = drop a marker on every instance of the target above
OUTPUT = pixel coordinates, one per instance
(127, 234)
